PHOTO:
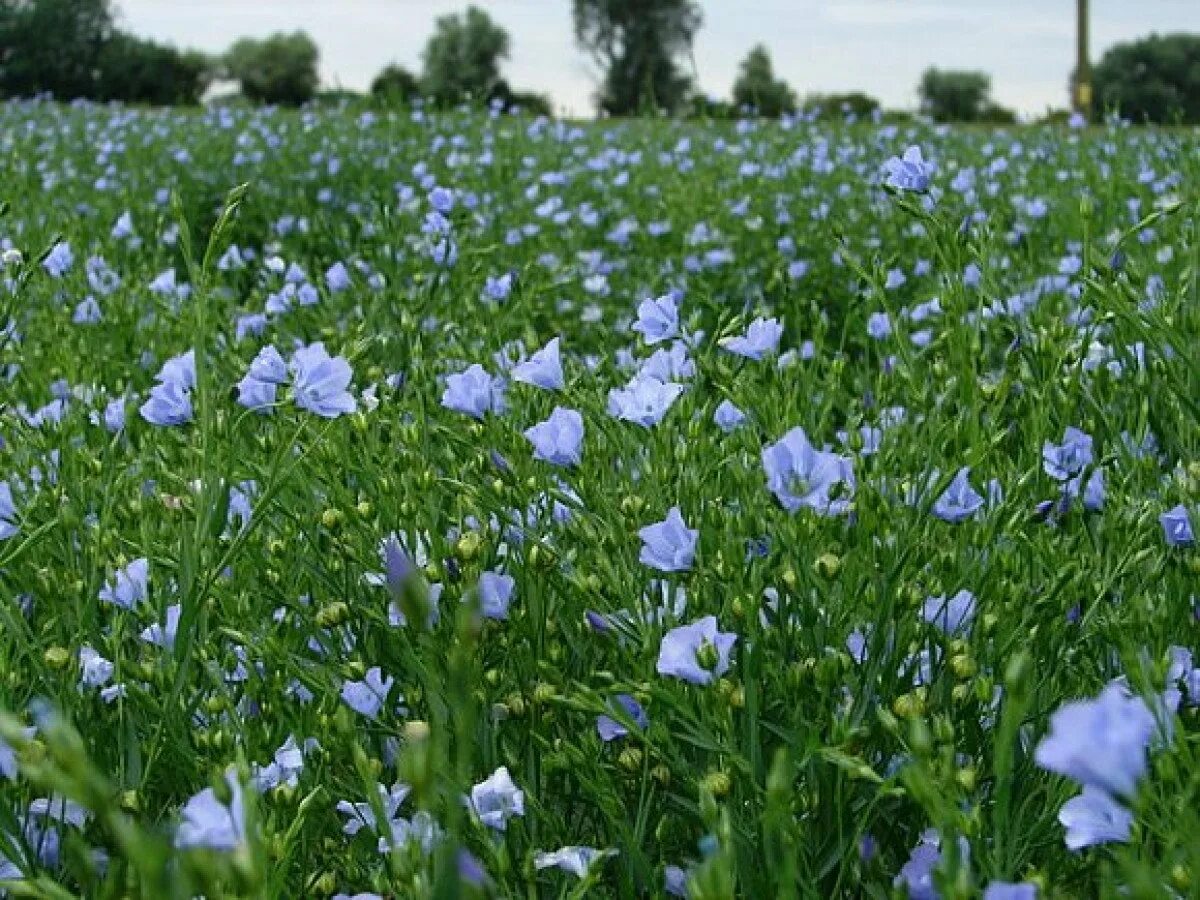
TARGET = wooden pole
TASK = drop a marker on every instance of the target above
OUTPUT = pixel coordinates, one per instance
(1082, 101)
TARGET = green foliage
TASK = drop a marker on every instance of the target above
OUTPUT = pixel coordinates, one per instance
(69, 48)
(897, 117)
(280, 69)
(1055, 117)
(955, 96)
(140, 71)
(700, 106)
(1155, 79)
(528, 102)
(757, 87)
(639, 44)
(395, 84)
(847, 723)
(839, 107)
(52, 46)
(463, 56)
(995, 114)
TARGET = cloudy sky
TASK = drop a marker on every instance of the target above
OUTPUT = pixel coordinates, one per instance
(878, 46)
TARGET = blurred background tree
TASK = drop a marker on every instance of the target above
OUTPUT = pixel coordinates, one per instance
(396, 84)
(463, 56)
(638, 44)
(1155, 79)
(52, 46)
(758, 88)
(139, 71)
(280, 69)
(853, 106)
(961, 96)
(504, 97)
(954, 96)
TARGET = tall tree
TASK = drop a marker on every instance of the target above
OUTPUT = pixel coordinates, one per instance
(139, 71)
(954, 96)
(52, 46)
(395, 84)
(463, 56)
(1155, 79)
(757, 86)
(639, 44)
(280, 69)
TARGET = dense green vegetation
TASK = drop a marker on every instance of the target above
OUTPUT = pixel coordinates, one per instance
(727, 510)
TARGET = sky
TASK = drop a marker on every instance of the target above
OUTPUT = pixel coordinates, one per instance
(877, 46)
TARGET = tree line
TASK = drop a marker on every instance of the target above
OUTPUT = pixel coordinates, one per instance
(642, 50)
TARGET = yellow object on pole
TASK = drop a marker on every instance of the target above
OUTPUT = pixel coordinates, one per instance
(1082, 82)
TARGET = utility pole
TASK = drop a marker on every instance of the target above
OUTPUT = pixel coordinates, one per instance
(1082, 83)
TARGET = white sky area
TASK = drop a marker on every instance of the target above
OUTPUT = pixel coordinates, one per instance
(877, 46)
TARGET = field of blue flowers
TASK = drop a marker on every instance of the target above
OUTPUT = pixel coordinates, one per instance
(406, 505)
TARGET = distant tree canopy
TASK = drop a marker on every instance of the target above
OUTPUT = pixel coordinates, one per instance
(71, 49)
(140, 71)
(839, 107)
(638, 44)
(280, 69)
(396, 84)
(528, 102)
(955, 96)
(1155, 79)
(52, 46)
(758, 88)
(463, 56)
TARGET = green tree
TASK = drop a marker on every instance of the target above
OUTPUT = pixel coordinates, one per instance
(955, 96)
(52, 46)
(757, 86)
(280, 69)
(638, 44)
(463, 56)
(395, 84)
(1155, 79)
(839, 107)
(995, 114)
(141, 71)
(528, 102)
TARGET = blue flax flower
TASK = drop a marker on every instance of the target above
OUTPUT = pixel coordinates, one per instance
(1177, 527)
(1093, 818)
(610, 729)
(497, 799)
(1068, 459)
(952, 616)
(1008, 890)
(908, 173)
(320, 382)
(761, 338)
(474, 392)
(669, 545)
(728, 417)
(695, 653)
(212, 825)
(658, 318)
(366, 697)
(8, 512)
(644, 401)
(959, 501)
(800, 475)
(129, 586)
(559, 439)
(495, 594)
(543, 369)
(1100, 743)
(170, 401)
(576, 860)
